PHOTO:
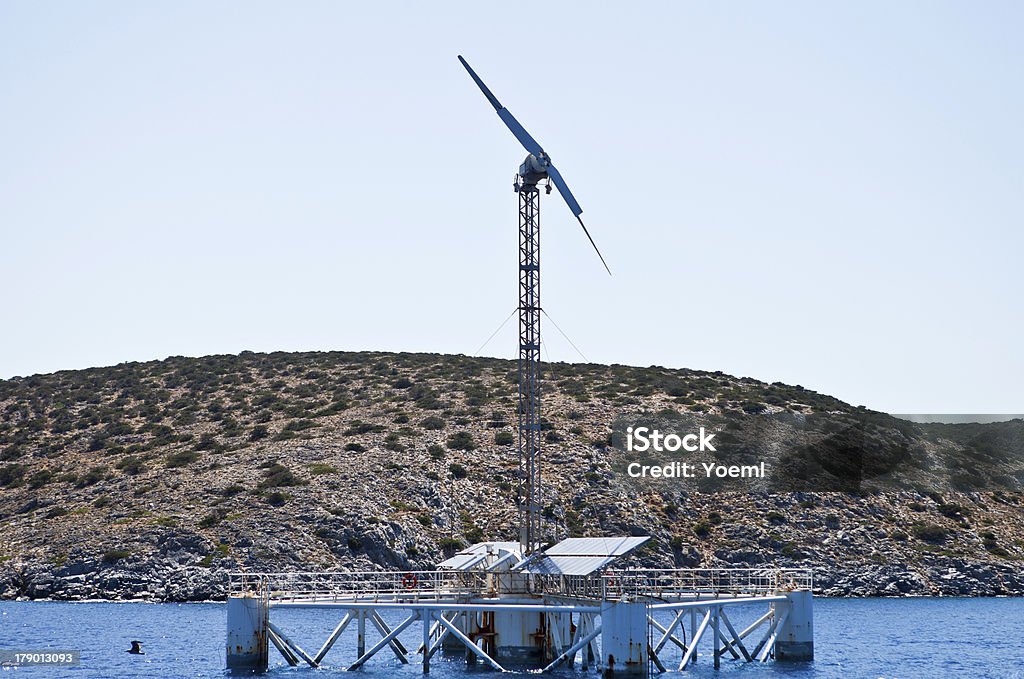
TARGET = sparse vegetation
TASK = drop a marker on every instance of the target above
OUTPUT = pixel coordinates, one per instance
(207, 441)
(954, 511)
(166, 448)
(93, 476)
(277, 498)
(432, 423)
(991, 543)
(12, 475)
(449, 545)
(40, 479)
(930, 533)
(115, 555)
(461, 440)
(181, 458)
(210, 520)
(277, 475)
(131, 465)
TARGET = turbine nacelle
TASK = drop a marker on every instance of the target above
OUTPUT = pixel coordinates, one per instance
(533, 170)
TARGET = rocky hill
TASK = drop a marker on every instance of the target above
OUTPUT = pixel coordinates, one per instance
(153, 480)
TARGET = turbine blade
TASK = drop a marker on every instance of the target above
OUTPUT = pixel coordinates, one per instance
(594, 244)
(520, 133)
(563, 189)
(528, 142)
(480, 83)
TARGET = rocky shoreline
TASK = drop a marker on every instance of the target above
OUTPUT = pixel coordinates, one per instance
(165, 581)
(185, 571)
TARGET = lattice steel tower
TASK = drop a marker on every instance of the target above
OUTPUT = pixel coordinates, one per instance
(536, 168)
(528, 406)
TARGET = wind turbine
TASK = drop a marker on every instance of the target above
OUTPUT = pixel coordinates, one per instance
(534, 169)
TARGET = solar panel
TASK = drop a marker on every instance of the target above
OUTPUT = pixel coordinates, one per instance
(582, 556)
(568, 565)
(461, 562)
(476, 555)
(596, 546)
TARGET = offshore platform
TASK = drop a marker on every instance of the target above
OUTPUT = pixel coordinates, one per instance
(538, 612)
(521, 604)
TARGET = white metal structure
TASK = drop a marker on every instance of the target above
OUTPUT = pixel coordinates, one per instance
(607, 619)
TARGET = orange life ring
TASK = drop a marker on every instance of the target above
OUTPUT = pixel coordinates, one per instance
(409, 581)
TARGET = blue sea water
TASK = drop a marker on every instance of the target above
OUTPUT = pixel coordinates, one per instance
(932, 638)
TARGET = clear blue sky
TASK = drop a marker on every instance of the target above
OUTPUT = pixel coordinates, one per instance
(819, 193)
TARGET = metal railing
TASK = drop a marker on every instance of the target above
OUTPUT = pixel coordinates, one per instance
(360, 586)
(677, 583)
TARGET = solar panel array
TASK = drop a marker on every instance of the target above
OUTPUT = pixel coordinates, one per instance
(572, 556)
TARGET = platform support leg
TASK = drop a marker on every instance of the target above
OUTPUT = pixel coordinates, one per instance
(361, 634)
(624, 642)
(717, 634)
(428, 620)
(795, 640)
(247, 633)
(693, 631)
